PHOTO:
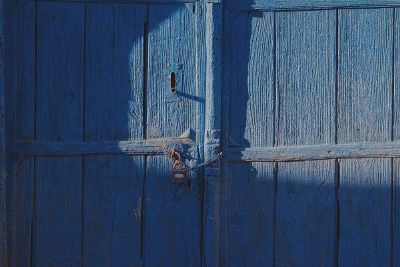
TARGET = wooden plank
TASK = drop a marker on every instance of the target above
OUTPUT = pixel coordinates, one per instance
(60, 57)
(305, 213)
(133, 147)
(114, 111)
(251, 46)
(396, 212)
(210, 69)
(396, 136)
(247, 214)
(247, 191)
(154, 147)
(172, 229)
(316, 152)
(307, 5)
(365, 212)
(305, 201)
(3, 165)
(177, 240)
(364, 114)
(131, 1)
(306, 77)
(20, 102)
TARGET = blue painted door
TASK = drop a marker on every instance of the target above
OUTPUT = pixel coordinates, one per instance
(90, 83)
(300, 96)
(310, 112)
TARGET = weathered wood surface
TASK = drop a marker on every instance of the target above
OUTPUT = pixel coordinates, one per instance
(211, 19)
(248, 190)
(89, 114)
(305, 197)
(134, 147)
(172, 218)
(396, 212)
(396, 136)
(365, 64)
(3, 154)
(328, 78)
(308, 4)
(57, 225)
(91, 91)
(113, 184)
(20, 122)
(316, 152)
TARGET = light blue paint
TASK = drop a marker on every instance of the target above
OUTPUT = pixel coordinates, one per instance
(300, 96)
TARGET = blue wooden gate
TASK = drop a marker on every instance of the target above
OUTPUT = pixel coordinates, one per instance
(89, 82)
(311, 104)
(301, 97)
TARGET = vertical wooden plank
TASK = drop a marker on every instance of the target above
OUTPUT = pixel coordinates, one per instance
(396, 212)
(305, 214)
(210, 26)
(3, 173)
(365, 212)
(114, 111)
(247, 213)
(172, 229)
(171, 46)
(305, 80)
(20, 47)
(364, 114)
(396, 136)
(60, 54)
(251, 82)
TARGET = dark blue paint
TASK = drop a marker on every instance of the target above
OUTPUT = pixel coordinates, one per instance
(85, 106)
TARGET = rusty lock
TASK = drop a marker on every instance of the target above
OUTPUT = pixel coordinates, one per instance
(174, 152)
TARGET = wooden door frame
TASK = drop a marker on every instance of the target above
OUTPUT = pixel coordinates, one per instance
(212, 139)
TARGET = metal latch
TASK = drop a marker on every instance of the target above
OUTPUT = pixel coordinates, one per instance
(174, 151)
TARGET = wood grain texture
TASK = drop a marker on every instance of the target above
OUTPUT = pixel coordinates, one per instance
(133, 1)
(20, 47)
(365, 212)
(364, 114)
(307, 5)
(3, 140)
(365, 75)
(396, 136)
(247, 214)
(305, 201)
(172, 33)
(172, 218)
(247, 191)
(172, 212)
(396, 212)
(316, 152)
(305, 214)
(251, 79)
(396, 76)
(60, 63)
(306, 77)
(210, 16)
(114, 111)
(133, 147)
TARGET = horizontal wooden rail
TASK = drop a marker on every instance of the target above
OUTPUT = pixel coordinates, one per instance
(134, 147)
(133, 1)
(154, 147)
(316, 152)
(308, 5)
